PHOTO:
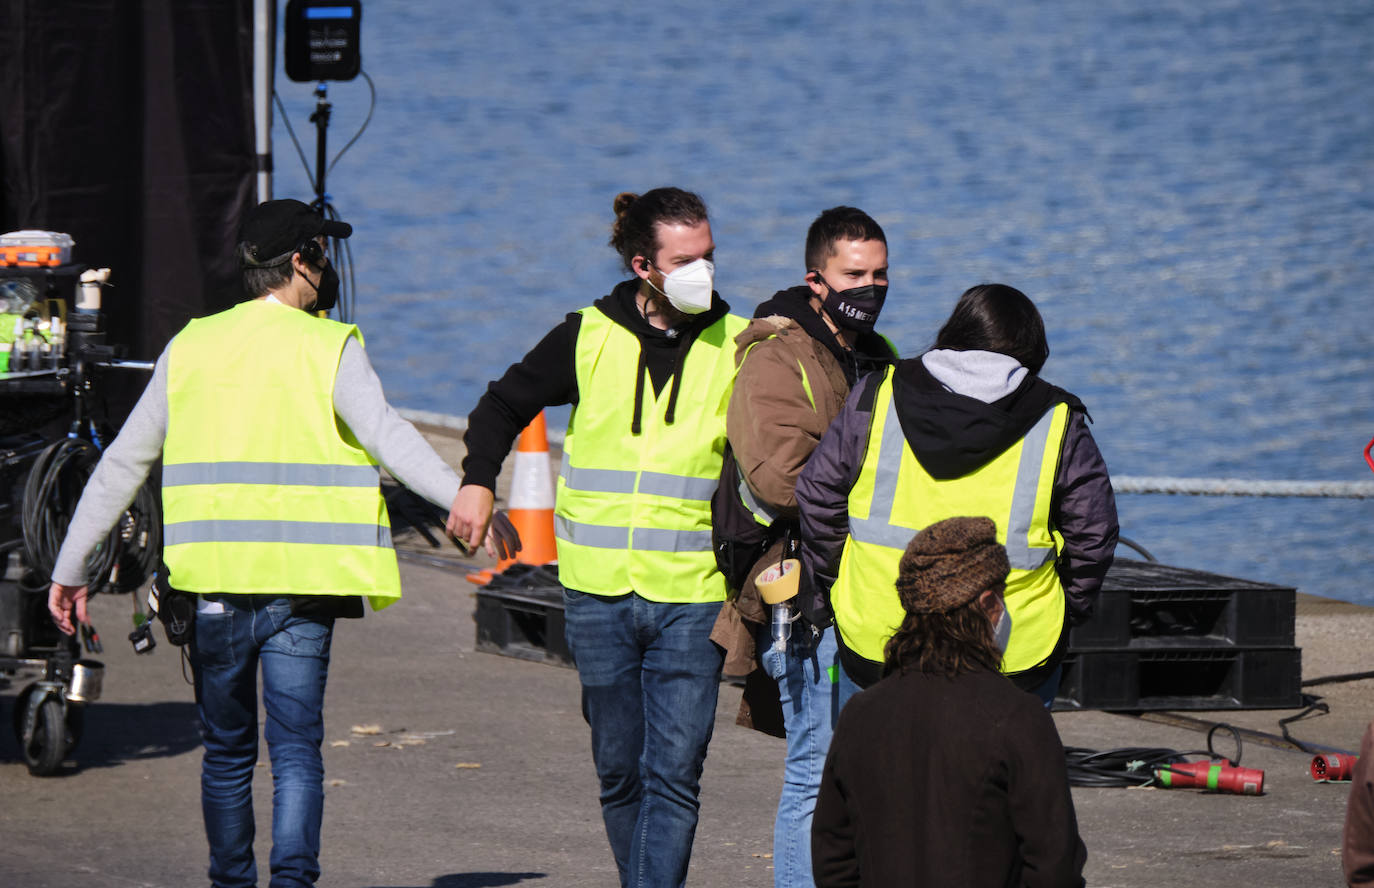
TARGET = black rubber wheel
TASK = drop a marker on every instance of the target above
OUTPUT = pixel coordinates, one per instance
(45, 751)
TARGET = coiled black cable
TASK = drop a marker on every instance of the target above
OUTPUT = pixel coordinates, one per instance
(1127, 766)
(1134, 765)
(51, 492)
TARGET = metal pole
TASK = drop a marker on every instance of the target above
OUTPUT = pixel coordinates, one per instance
(263, 45)
(321, 120)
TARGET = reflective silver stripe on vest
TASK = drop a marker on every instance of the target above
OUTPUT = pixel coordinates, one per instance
(658, 540)
(682, 487)
(645, 539)
(879, 530)
(1019, 552)
(596, 480)
(763, 513)
(596, 536)
(311, 532)
(294, 474)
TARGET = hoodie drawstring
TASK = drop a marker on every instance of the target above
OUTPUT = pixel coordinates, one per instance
(673, 379)
(639, 393)
(675, 375)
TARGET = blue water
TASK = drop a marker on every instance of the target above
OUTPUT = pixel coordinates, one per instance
(1186, 189)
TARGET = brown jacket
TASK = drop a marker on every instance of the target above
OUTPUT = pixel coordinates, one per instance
(788, 390)
(789, 387)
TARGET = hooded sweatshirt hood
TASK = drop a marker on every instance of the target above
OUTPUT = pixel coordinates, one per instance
(870, 351)
(959, 410)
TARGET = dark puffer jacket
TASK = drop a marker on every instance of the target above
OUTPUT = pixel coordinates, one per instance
(953, 434)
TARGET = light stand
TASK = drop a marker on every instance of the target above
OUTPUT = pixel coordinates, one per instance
(322, 40)
(321, 120)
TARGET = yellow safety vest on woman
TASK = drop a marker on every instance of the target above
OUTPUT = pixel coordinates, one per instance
(263, 491)
(633, 511)
(894, 497)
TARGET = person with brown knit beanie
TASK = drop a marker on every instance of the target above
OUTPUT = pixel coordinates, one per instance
(950, 581)
(944, 773)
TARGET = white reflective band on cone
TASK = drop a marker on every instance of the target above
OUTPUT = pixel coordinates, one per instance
(532, 483)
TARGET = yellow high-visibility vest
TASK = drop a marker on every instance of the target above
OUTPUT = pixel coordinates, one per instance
(633, 512)
(263, 491)
(894, 497)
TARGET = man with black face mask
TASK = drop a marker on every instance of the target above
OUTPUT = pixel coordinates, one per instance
(271, 424)
(798, 359)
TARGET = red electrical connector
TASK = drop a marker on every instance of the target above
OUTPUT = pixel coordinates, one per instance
(1331, 768)
(1218, 775)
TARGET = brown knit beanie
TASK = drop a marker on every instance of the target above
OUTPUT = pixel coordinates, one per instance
(949, 564)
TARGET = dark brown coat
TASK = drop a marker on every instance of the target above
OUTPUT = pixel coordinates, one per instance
(935, 781)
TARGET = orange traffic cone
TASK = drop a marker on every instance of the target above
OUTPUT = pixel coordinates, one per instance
(531, 497)
(531, 502)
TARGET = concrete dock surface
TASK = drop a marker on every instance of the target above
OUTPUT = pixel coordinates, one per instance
(451, 768)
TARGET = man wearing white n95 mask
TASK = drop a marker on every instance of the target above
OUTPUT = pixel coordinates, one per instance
(648, 369)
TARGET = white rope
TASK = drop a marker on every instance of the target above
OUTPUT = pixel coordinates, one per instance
(1240, 487)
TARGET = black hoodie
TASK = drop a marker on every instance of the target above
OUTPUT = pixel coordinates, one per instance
(952, 435)
(870, 351)
(547, 377)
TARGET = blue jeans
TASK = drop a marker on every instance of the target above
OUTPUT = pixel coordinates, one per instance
(807, 674)
(294, 653)
(1049, 688)
(846, 686)
(650, 677)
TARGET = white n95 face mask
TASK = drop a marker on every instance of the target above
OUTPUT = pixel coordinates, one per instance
(688, 288)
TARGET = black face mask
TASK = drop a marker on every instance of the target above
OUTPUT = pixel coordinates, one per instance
(854, 309)
(327, 293)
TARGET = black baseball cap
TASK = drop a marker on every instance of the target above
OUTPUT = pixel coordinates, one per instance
(275, 229)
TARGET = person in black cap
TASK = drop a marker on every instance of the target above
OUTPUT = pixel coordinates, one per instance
(944, 773)
(272, 236)
(270, 423)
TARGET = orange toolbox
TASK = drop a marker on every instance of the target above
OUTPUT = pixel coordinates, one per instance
(35, 248)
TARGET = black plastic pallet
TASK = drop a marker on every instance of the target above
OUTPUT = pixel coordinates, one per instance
(520, 614)
(1198, 678)
(1147, 605)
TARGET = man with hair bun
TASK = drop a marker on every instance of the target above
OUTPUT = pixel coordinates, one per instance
(944, 773)
(648, 370)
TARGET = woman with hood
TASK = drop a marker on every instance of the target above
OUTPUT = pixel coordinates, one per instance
(967, 428)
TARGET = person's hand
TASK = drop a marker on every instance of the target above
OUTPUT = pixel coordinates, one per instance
(60, 601)
(470, 515)
(503, 540)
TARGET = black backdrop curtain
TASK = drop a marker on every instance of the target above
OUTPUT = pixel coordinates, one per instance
(128, 124)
